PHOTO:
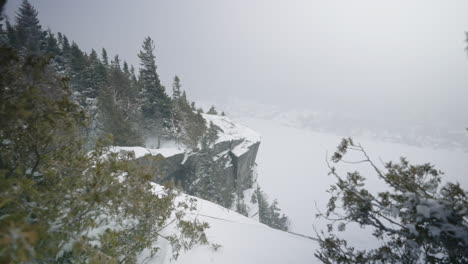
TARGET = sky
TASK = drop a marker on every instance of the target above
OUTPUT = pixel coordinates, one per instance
(393, 59)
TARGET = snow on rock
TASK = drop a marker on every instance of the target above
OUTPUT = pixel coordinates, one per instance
(232, 130)
(142, 151)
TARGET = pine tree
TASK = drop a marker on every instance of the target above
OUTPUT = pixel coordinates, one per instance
(126, 69)
(105, 58)
(2, 4)
(10, 32)
(97, 75)
(176, 88)
(156, 104)
(28, 30)
(3, 35)
(212, 111)
(52, 46)
(270, 214)
(413, 220)
(65, 45)
(77, 70)
(53, 192)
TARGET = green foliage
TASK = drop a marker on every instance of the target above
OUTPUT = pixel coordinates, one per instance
(270, 214)
(415, 220)
(58, 201)
(156, 103)
(29, 37)
(189, 126)
(118, 107)
(113, 96)
(212, 111)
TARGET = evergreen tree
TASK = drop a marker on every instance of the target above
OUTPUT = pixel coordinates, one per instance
(212, 111)
(415, 220)
(176, 88)
(97, 74)
(192, 105)
(156, 103)
(54, 193)
(270, 214)
(77, 70)
(65, 45)
(118, 107)
(52, 44)
(28, 30)
(2, 4)
(126, 69)
(3, 35)
(10, 34)
(105, 58)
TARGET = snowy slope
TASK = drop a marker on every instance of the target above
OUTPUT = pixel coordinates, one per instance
(243, 240)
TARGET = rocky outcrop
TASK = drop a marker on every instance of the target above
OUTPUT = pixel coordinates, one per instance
(234, 153)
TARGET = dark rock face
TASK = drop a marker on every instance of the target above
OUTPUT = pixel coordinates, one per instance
(237, 169)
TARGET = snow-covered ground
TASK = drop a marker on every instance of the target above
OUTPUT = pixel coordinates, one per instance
(292, 168)
(243, 240)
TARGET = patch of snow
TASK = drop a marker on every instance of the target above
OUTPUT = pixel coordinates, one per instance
(141, 151)
(240, 149)
(423, 210)
(231, 130)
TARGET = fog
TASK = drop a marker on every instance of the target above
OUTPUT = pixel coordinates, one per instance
(383, 59)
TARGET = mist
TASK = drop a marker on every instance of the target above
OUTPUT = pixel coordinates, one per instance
(289, 121)
(394, 59)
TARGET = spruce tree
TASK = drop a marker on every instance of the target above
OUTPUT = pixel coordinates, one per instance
(77, 70)
(3, 36)
(176, 88)
(105, 58)
(28, 30)
(2, 4)
(10, 34)
(55, 195)
(52, 46)
(97, 74)
(414, 218)
(156, 104)
(212, 111)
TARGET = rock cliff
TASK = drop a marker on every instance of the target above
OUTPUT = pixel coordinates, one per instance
(234, 152)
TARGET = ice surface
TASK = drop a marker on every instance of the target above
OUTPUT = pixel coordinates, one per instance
(292, 168)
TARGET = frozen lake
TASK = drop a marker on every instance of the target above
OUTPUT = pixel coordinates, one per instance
(292, 168)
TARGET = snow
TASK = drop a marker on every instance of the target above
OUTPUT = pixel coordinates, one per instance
(423, 210)
(292, 168)
(141, 151)
(232, 130)
(242, 240)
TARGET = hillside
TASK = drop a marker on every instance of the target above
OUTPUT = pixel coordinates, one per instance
(242, 240)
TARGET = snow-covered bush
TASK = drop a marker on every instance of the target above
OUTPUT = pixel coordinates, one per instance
(415, 221)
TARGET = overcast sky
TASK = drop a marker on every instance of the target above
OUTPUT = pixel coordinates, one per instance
(391, 58)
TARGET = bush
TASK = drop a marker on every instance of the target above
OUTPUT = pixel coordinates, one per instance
(415, 221)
